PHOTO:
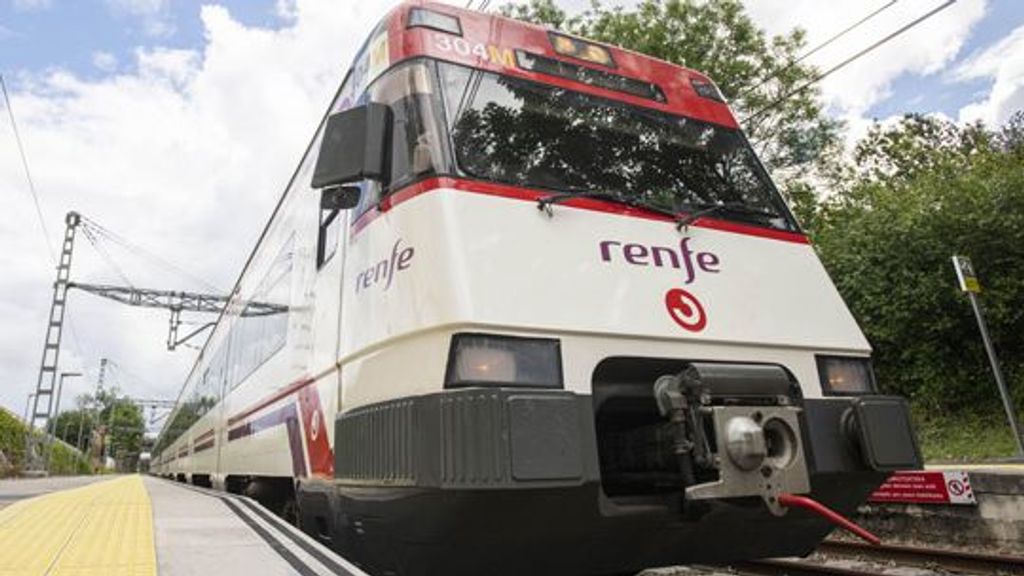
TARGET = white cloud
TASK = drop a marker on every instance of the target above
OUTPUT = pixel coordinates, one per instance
(1003, 63)
(154, 15)
(31, 5)
(105, 61)
(184, 152)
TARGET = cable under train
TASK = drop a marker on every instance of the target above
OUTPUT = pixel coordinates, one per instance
(530, 304)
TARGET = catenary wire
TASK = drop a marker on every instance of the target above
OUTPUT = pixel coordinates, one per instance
(140, 251)
(90, 235)
(28, 172)
(767, 108)
(816, 49)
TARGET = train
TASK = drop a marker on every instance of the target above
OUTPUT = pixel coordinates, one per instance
(530, 304)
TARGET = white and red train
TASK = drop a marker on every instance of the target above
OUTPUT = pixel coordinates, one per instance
(537, 308)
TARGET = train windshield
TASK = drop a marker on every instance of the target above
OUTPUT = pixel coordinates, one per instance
(540, 136)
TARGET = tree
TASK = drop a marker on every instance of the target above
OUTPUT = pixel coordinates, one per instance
(925, 189)
(919, 145)
(74, 426)
(126, 428)
(118, 421)
(796, 140)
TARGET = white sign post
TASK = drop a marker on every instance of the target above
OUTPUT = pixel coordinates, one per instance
(969, 283)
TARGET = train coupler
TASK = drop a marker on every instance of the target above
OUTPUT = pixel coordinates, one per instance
(751, 446)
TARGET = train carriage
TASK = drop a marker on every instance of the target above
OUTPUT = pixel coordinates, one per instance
(530, 304)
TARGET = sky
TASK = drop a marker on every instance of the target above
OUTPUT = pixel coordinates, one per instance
(176, 124)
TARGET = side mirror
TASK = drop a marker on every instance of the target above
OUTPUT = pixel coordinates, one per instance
(354, 146)
(339, 197)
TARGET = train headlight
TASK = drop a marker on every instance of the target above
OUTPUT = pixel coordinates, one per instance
(491, 360)
(845, 375)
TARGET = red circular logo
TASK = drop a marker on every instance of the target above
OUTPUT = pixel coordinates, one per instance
(685, 309)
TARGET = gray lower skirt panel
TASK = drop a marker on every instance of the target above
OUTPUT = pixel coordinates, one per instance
(472, 438)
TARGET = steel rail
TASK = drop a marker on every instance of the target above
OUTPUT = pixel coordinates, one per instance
(916, 556)
(799, 568)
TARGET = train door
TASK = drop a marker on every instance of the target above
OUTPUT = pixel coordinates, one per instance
(330, 256)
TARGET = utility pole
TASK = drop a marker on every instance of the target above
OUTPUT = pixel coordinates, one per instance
(81, 416)
(35, 462)
(28, 404)
(60, 392)
(52, 423)
(969, 283)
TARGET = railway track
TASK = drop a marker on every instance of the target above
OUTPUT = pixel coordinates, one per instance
(833, 558)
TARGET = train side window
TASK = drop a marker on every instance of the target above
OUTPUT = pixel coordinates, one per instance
(327, 239)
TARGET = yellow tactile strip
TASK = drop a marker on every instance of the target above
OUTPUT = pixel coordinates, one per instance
(101, 529)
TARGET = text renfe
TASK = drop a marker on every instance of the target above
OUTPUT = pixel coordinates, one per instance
(662, 257)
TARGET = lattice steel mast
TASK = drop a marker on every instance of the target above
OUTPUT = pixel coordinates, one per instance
(34, 458)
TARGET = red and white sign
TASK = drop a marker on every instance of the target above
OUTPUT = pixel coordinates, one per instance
(926, 487)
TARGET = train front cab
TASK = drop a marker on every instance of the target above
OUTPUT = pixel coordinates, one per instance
(652, 447)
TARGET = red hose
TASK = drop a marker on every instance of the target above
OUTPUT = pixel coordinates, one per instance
(793, 501)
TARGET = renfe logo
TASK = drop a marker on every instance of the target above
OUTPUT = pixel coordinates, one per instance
(682, 306)
(662, 256)
(385, 270)
(685, 309)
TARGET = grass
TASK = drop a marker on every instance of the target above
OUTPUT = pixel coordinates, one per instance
(965, 437)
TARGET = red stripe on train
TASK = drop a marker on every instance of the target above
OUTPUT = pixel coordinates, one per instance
(286, 391)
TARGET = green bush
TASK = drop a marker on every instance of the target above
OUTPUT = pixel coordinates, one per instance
(12, 443)
(64, 460)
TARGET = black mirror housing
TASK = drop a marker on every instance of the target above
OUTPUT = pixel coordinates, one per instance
(339, 197)
(354, 146)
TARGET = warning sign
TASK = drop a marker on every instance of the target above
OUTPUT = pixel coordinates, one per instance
(965, 274)
(926, 487)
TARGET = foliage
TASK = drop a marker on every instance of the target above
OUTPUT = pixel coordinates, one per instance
(12, 443)
(926, 189)
(123, 425)
(796, 140)
(75, 426)
(111, 425)
(63, 459)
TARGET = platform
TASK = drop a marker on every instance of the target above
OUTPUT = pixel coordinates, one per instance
(991, 519)
(140, 526)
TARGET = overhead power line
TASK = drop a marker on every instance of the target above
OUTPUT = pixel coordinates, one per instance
(816, 49)
(100, 231)
(28, 172)
(764, 110)
(102, 251)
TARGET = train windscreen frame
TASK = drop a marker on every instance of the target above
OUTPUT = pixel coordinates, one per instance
(528, 134)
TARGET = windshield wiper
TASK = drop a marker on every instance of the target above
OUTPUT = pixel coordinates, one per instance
(700, 210)
(546, 202)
